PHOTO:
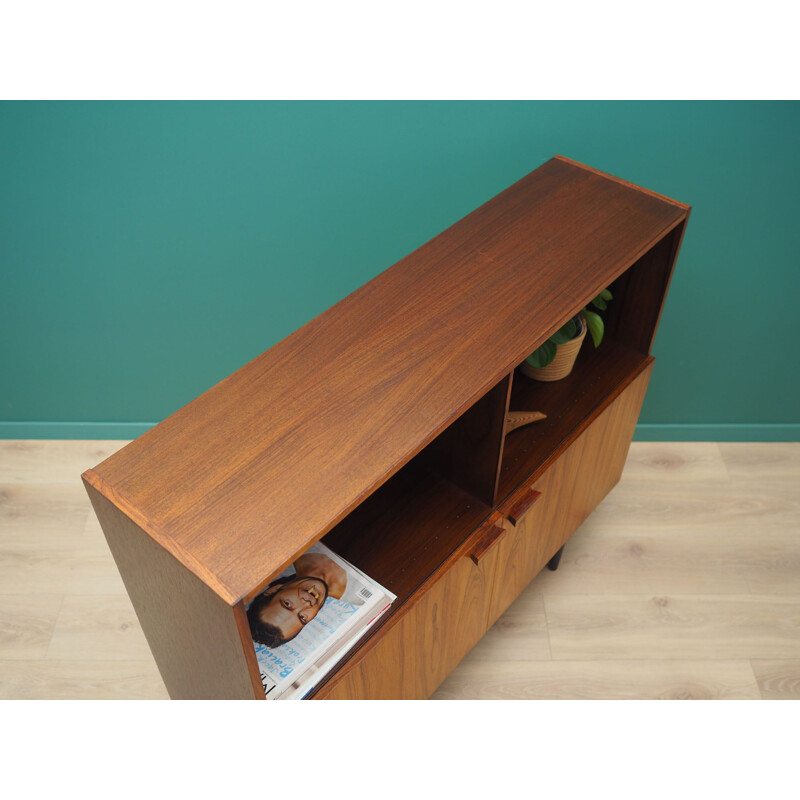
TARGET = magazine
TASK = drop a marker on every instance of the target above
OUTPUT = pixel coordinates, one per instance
(308, 618)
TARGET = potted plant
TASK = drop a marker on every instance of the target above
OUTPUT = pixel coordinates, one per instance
(555, 358)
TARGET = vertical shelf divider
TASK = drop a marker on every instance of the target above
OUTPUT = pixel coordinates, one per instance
(470, 451)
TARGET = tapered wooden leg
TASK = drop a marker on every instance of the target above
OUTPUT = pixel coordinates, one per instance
(552, 564)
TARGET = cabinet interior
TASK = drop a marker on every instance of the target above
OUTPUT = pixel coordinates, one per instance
(405, 530)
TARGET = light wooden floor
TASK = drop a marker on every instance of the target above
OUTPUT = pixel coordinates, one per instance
(684, 583)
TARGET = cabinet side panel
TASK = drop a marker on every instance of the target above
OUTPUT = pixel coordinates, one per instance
(192, 632)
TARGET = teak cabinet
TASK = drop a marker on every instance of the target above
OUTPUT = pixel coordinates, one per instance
(381, 426)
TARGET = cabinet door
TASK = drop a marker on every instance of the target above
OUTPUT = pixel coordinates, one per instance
(521, 553)
(569, 490)
(412, 653)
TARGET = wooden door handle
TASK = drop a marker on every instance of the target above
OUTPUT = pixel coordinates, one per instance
(522, 505)
(485, 543)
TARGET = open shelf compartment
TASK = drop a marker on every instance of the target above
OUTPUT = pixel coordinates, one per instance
(599, 375)
(407, 529)
(570, 405)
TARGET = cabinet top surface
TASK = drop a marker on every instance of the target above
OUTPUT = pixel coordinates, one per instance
(251, 473)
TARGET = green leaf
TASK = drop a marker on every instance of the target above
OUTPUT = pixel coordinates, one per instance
(565, 333)
(542, 355)
(596, 328)
(606, 295)
(599, 303)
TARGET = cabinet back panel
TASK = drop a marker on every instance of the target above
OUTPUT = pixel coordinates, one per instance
(632, 316)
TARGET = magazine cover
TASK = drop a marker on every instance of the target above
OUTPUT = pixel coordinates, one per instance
(308, 618)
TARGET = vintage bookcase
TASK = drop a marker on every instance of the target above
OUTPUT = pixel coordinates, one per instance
(381, 426)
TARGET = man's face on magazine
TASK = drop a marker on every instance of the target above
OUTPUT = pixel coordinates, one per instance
(294, 605)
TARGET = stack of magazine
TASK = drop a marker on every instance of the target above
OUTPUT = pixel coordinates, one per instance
(308, 618)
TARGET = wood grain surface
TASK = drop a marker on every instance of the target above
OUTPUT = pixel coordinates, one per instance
(686, 521)
(105, 625)
(51, 461)
(666, 626)
(335, 409)
(569, 491)
(422, 648)
(778, 680)
(506, 560)
(84, 678)
(68, 553)
(27, 623)
(641, 679)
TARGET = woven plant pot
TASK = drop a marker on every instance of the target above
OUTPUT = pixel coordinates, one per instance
(562, 364)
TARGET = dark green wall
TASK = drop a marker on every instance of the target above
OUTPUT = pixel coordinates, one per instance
(149, 249)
